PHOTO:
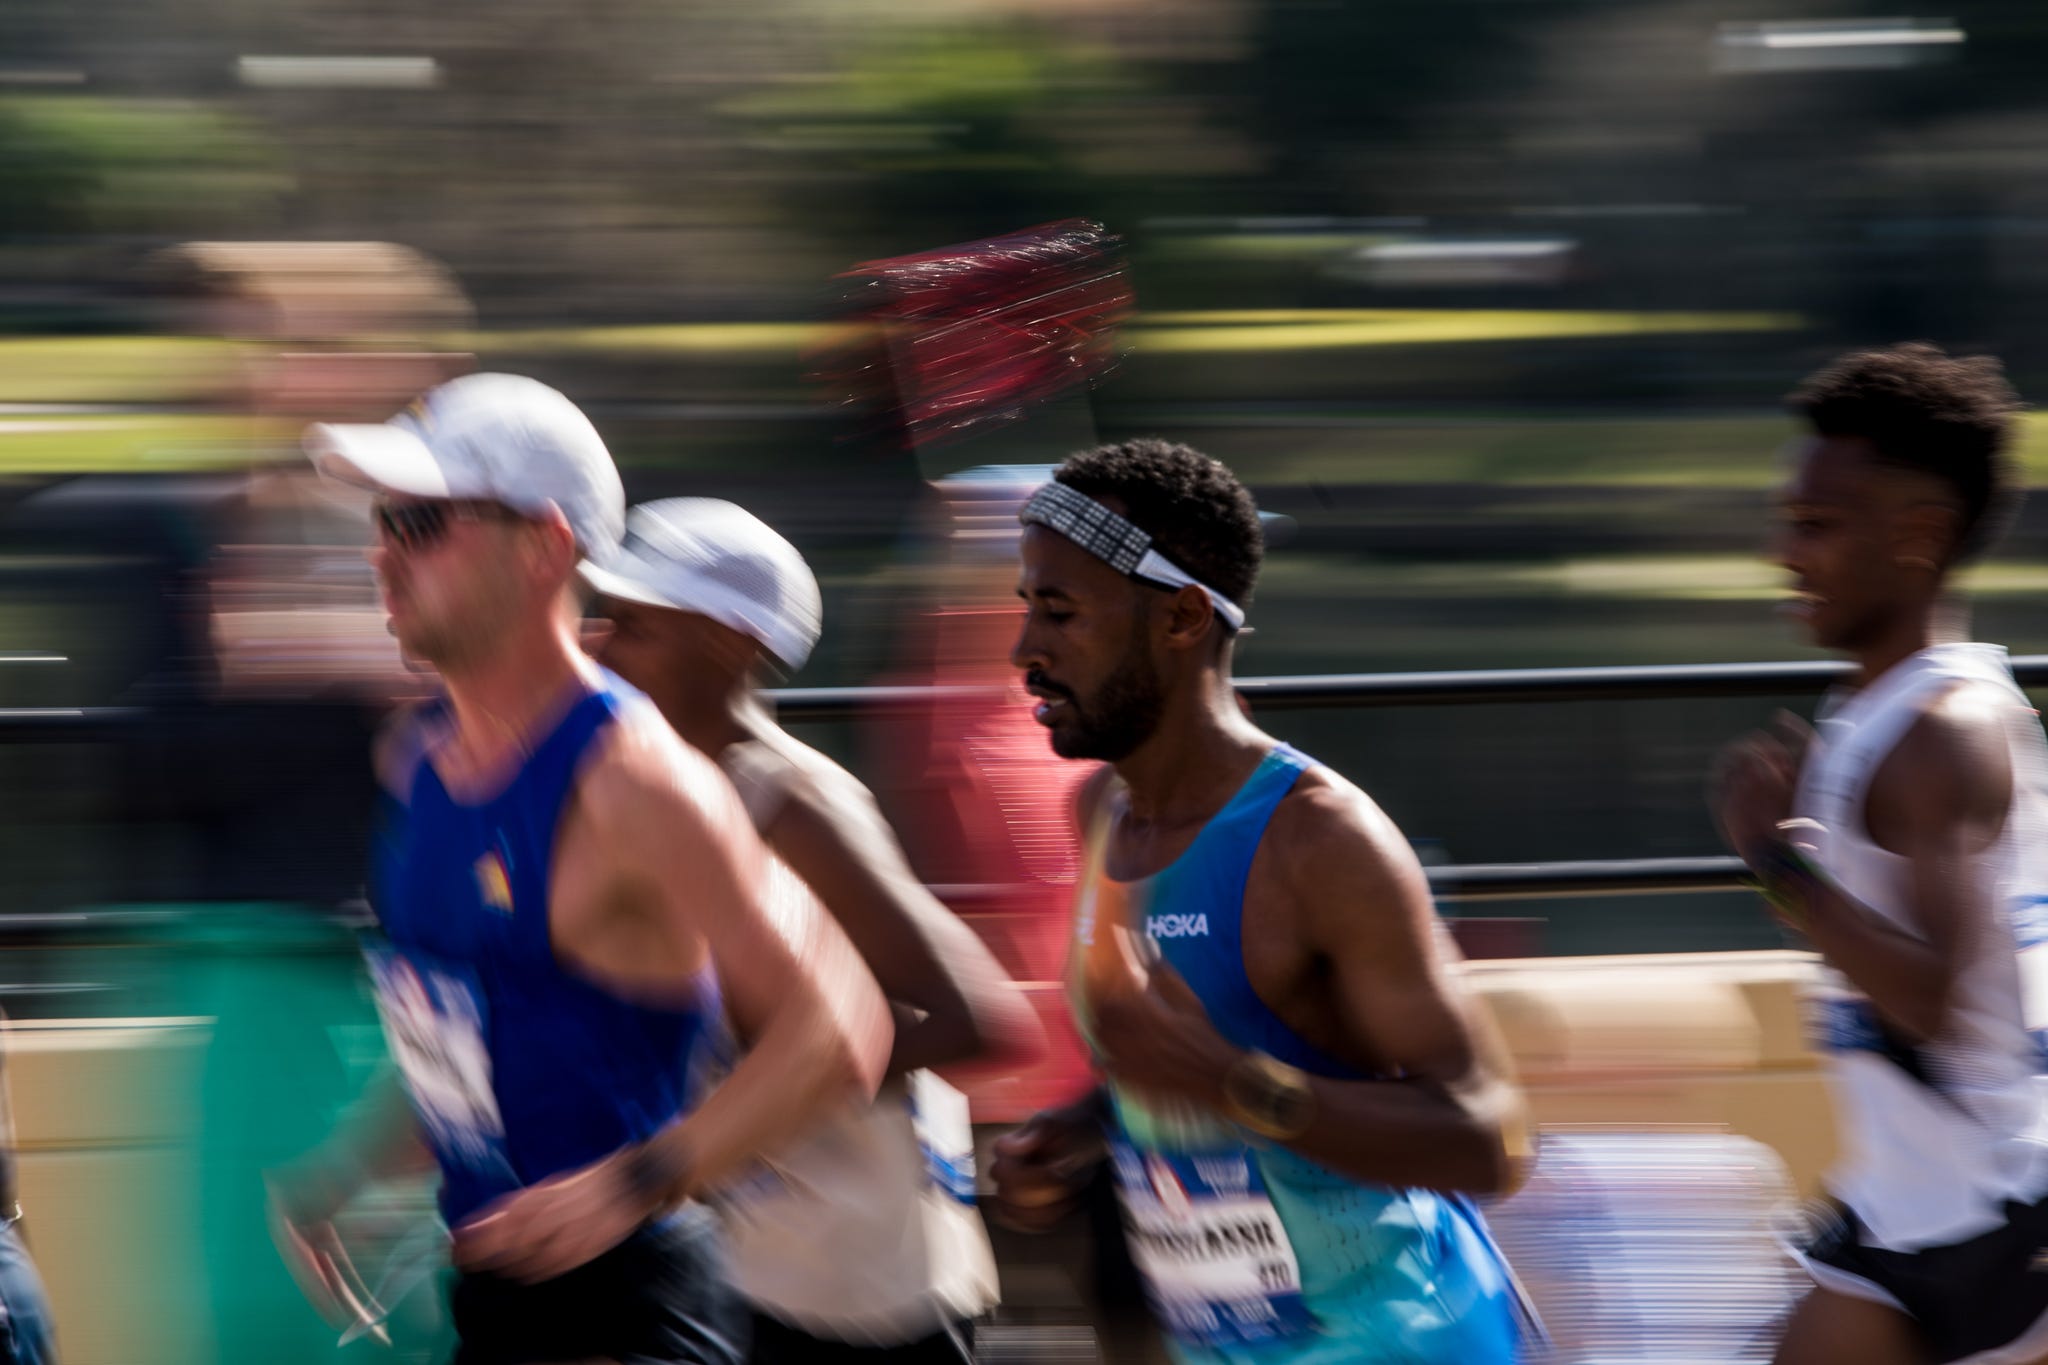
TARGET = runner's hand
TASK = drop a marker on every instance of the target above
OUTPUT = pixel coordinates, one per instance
(1041, 1168)
(1159, 1041)
(300, 1213)
(550, 1228)
(1753, 783)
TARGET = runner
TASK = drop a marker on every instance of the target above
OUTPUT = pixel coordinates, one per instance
(571, 897)
(1300, 1096)
(861, 1242)
(1917, 865)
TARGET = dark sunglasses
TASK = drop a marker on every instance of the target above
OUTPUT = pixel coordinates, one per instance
(419, 525)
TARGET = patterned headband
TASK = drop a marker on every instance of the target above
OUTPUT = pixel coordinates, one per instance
(1117, 543)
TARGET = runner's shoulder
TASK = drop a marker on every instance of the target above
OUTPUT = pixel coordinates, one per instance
(805, 777)
(1327, 834)
(1955, 757)
(791, 790)
(640, 775)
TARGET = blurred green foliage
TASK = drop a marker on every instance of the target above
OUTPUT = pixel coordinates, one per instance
(78, 164)
(960, 129)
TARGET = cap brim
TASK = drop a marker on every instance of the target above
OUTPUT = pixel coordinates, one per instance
(380, 457)
(609, 583)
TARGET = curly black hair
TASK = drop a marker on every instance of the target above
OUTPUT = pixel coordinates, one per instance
(1923, 409)
(1197, 513)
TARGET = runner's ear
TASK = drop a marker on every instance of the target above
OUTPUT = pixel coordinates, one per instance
(1189, 615)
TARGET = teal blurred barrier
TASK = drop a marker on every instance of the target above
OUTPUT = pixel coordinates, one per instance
(154, 1197)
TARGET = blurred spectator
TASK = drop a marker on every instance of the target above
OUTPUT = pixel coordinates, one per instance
(984, 806)
(271, 665)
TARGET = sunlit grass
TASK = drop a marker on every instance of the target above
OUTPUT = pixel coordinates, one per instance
(1618, 448)
(146, 369)
(150, 441)
(1262, 331)
(111, 369)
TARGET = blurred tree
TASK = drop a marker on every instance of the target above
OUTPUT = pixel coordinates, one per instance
(927, 134)
(79, 164)
(44, 180)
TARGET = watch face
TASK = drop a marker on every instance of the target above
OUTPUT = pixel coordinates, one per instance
(1291, 1109)
(1271, 1097)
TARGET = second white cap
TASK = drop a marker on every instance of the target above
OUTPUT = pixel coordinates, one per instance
(719, 560)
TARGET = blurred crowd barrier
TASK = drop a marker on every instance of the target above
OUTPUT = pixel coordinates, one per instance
(1676, 1041)
(1654, 1246)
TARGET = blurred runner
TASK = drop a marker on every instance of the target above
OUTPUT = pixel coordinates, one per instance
(572, 898)
(985, 809)
(980, 353)
(1916, 860)
(1300, 1097)
(861, 1242)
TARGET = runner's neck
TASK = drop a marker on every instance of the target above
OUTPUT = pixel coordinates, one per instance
(1193, 763)
(501, 708)
(1945, 621)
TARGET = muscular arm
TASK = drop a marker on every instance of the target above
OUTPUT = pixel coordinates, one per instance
(963, 1006)
(672, 829)
(1452, 1116)
(377, 1138)
(1939, 799)
(1375, 988)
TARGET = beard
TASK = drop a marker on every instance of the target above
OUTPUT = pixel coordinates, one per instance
(438, 646)
(1122, 715)
(455, 634)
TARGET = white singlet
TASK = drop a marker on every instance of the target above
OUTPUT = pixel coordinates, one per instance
(864, 1231)
(1936, 1135)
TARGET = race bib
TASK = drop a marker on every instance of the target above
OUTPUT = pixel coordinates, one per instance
(1217, 1263)
(2029, 916)
(1839, 1018)
(434, 1017)
(945, 1134)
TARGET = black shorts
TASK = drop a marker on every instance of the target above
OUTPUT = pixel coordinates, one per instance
(1983, 1298)
(661, 1297)
(778, 1343)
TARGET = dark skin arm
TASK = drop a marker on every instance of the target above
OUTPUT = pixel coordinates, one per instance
(1335, 874)
(1938, 799)
(1041, 1167)
(961, 1005)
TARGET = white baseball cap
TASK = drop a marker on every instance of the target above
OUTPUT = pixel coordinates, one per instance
(719, 560)
(496, 437)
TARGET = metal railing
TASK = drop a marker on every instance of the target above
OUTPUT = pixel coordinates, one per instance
(1460, 687)
(1469, 882)
(1472, 882)
(1596, 877)
(1463, 687)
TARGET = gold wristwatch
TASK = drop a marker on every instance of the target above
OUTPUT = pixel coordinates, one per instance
(1269, 1097)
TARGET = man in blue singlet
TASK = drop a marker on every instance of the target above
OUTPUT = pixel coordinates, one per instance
(1300, 1098)
(570, 900)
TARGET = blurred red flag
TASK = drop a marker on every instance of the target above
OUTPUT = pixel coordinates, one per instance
(956, 341)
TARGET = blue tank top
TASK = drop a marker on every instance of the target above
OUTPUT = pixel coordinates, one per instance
(1253, 1254)
(518, 1068)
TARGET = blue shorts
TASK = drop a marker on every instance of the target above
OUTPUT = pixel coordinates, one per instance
(26, 1337)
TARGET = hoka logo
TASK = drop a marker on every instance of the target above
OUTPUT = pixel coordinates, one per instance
(1177, 926)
